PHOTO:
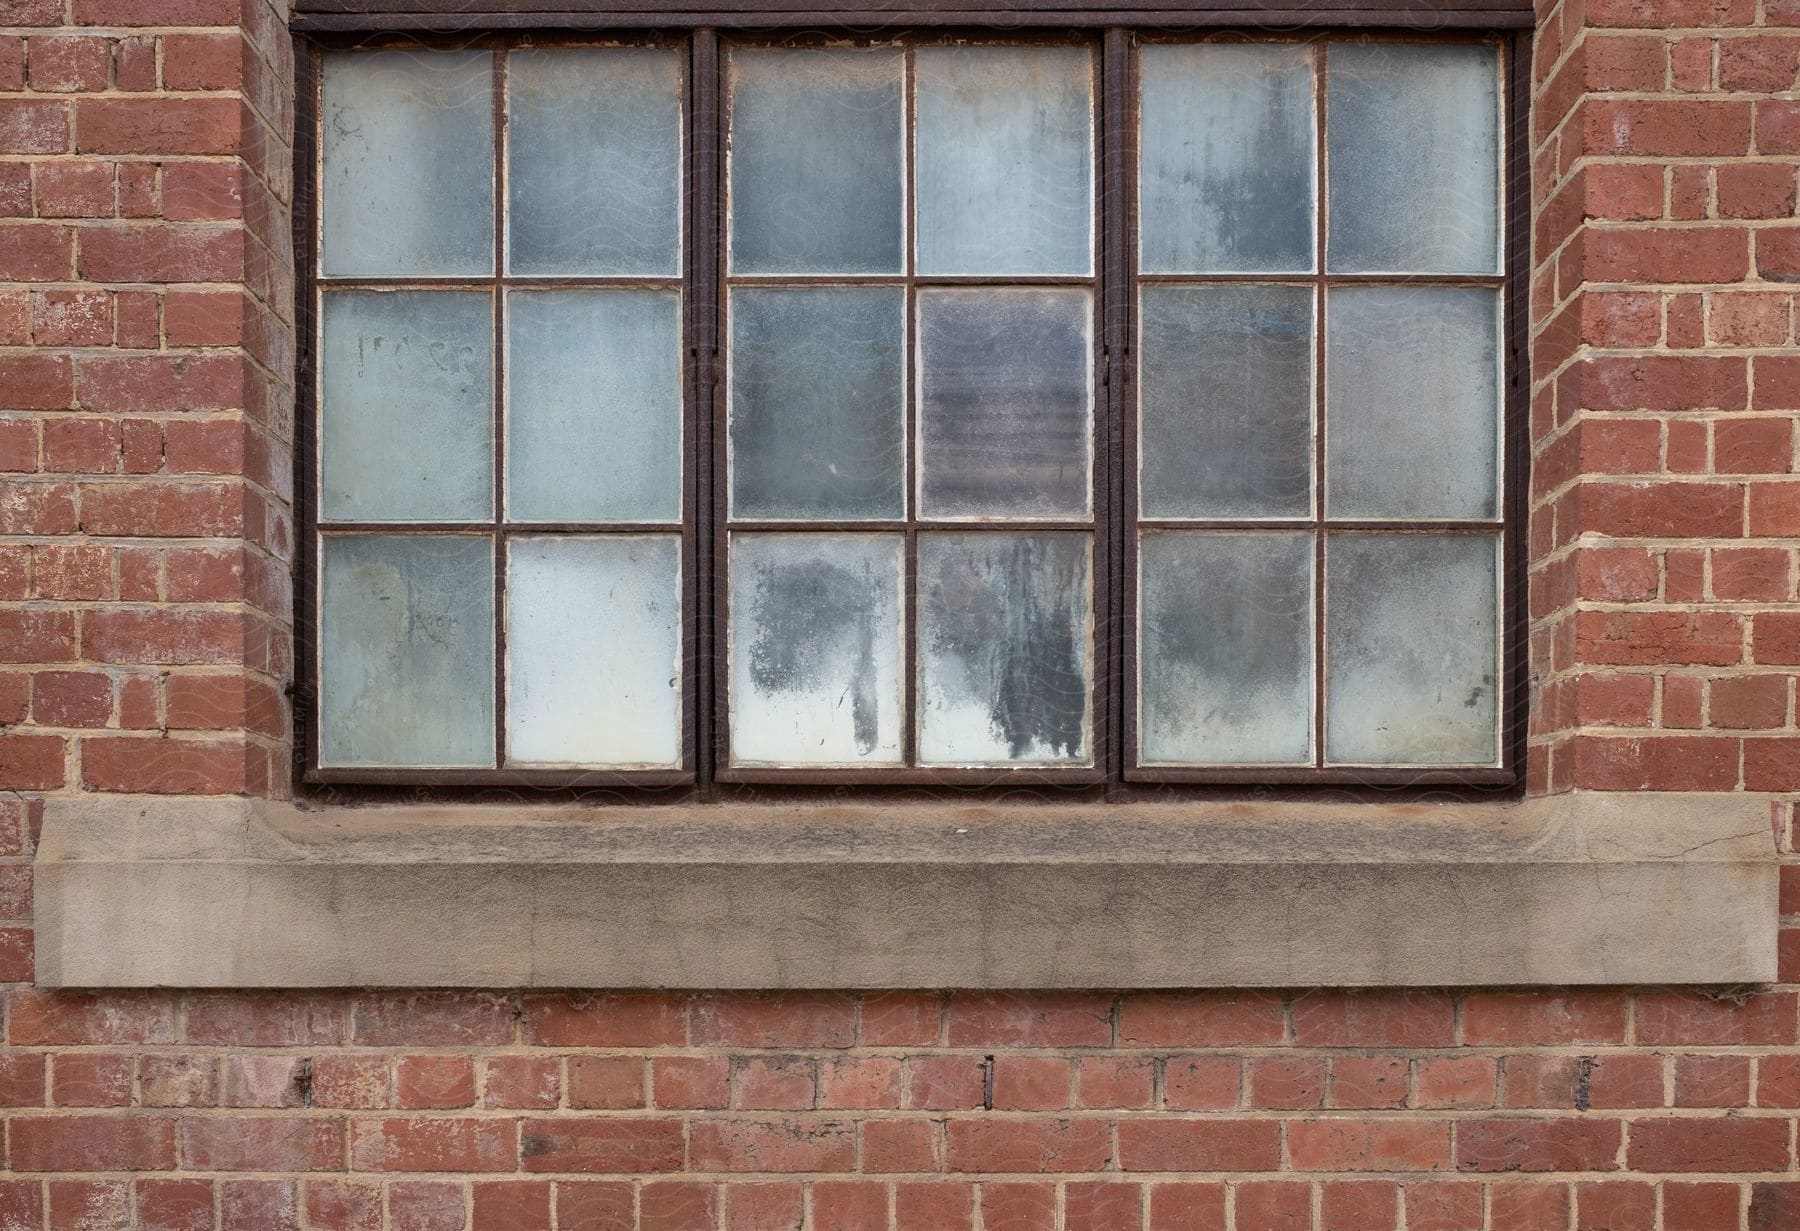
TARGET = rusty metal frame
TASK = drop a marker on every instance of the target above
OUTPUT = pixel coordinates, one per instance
(705, 771)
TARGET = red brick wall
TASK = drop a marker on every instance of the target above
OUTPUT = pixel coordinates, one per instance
(146, 372)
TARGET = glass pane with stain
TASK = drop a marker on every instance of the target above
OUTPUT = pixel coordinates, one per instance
(407, 187)
(594, 161)
(407, 650)
(1227, 162)
(1226, 419)
(1005, 662)
(1225, 659)
(1005, 149)
(818, 403)
(1411, 649)
(1413, 151)
(815, 648)
(406, 406)
(1412, 402)
(593, 650)
(817, 149)
(593, 406)
(1006, 400)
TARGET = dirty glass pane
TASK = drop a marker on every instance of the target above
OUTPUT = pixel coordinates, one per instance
(407, 406)
(1005, 667)
(1412, 423)
(1005, 403)
(1005, 149)
(407, 664)
(816, 155)
(1411, 649)
(1226, 158)
(594, 153)
(593, 408)
(593, 650)
(1225, 665)
(408, 145)
(1226, 426)
(1413, 147)
(816, 654)
(818, 403)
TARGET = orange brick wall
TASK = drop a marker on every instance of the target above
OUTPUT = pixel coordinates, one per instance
(146, 405)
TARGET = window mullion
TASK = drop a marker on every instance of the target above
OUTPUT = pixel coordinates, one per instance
(705, 457)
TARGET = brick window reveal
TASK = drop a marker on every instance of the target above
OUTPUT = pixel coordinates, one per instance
(1074, 409)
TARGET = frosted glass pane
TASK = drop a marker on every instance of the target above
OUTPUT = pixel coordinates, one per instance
(593, 650)
(408, 182)
(1226, 401)
(1413, 133)
(1006, 151)
(1225, 663)
(818, 403)
(593, 413)
(1411, 649)
(816, 157)
(407, 406)
(1412, 381)
(594, 152)
(1227, 160)
(407, 654)
(816, 649)
(1005, 626)
(1006, 403)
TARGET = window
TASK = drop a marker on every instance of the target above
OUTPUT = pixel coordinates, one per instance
(1080, 408)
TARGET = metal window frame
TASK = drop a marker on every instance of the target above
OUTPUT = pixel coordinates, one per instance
(323, 25)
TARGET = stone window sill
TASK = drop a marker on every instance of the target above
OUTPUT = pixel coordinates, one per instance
(1570, 889)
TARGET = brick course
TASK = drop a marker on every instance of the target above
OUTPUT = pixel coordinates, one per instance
(146, 534)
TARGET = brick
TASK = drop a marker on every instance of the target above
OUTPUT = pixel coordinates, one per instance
(259, 1205)
(1199, 1145)
(1708, 1145)
(1367, 1082)
(609, 1145)
(933, 1207)
(690, 1082)
(33, 126)
(1030, 1083)
(761, 1145)
(436, 1144)
(1028, 1145)
(602, 1205)
(1543, 1019)
(88, 1204)
(1459, 1082)
(1102, 1206)
(1358, 1205)
(1443, 1205)
(611, 1082)
(529, 1082)
(867, 1082)
(353, 1082)
(1018, 1207)
(900, 1146)
(1273, 1206)
(793, 1020)
(775, 1083)
(36, 382)
(1656, 127)
(267, 1143)
(264, 1019)
(1374, 1019)
(1202, 1083)
(1368, 1145)
(174, 1205)
(849, 1205)
(1054, 1019)
(333, 1205)
(1206, 1019)
(91, 1079)
(419, 1206)
(441, 1082)
(31, 762)
(510, 1205)
(68, 64)
(1189, 1206)
(433, 1019)
(91, 1143)
(1712, 1081)
(1615, 1205)
(1682, 1018)
(1538, 1144)
(559, 1020)
(161, 125)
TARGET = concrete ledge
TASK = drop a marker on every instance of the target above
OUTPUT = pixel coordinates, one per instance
(1572, 889)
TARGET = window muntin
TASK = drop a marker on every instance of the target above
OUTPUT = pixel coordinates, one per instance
(502, 389)
(910, 407)
(894, 555)
(1320, 445)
